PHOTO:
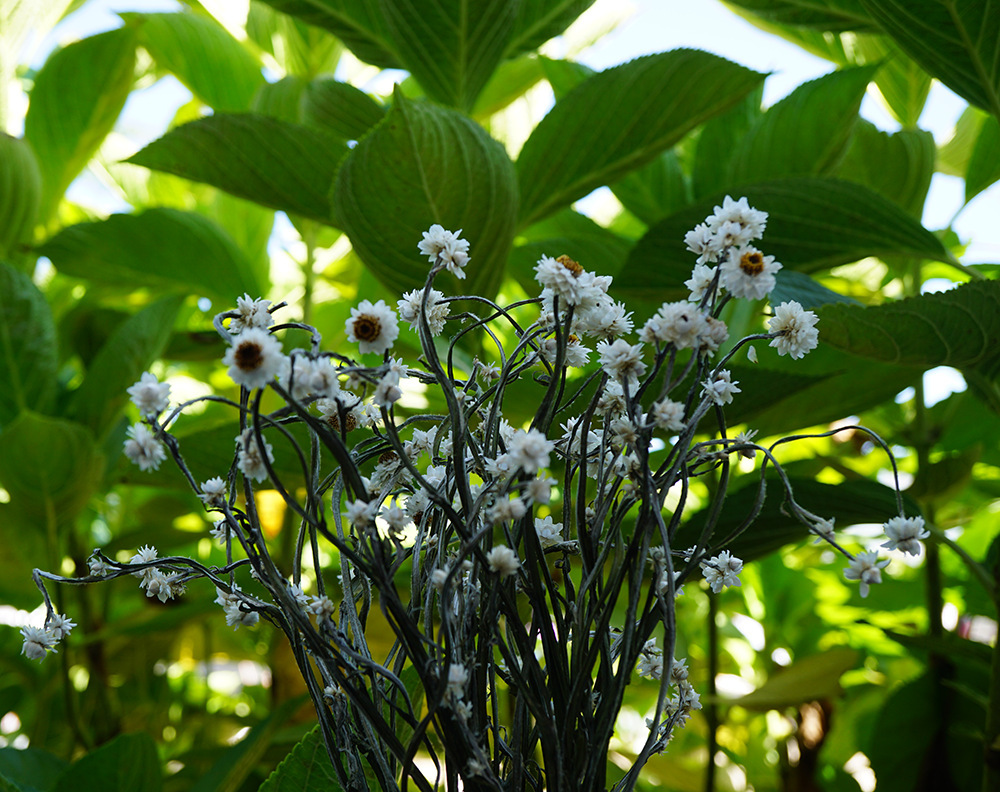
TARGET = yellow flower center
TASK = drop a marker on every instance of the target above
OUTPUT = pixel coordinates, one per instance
(569, 264)
(752, 263)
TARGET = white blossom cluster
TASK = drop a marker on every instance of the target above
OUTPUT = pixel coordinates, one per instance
(39, 641)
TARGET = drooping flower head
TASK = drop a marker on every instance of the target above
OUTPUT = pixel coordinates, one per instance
(374, 327)
(905, 534)
(143, 448)
(446, 246)
(866, 568)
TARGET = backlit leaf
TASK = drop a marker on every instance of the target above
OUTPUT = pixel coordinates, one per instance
(621, 119)
(340, 108)
(538, 21)
(820, 14)
(812, 678)
(984, 164)
(306, 769)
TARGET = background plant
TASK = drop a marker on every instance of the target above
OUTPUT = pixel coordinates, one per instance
(94, 324)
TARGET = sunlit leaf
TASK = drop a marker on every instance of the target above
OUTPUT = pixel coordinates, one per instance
(446, 170)
(812, 678)
(902, 83)
(955, 41)
(717, 143)
(302, 50)
(984, 163)
(306, 769)
(806, 132)
(75, 101)
(160, 248)
(124, 357)
(621, 119)
(656, 190)
(954, 155)
(564, 75)
(538, 21)
(805, 290)
(511, 80)
(340, 108)
(28, 356)
(197, 50)
(819, 14)
(273, 163)
(20, 194)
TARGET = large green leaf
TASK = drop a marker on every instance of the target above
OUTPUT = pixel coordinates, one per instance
(445, 169)
(29, 769)
(898, 166)
(539, 20)
(75, 101)
(510, 81)
(810, 679)
(902, 83)
(129, 761)
(656, 190)
(953, 156)
(50, 467)
(28, 356)
(824, 15)
(956, 328)
(306, 769)
(160, 248)
(359, 24)
(984, 163)
(124, 357)
(202, 55)
(451, 47)
(954, 40)
(805, 133)
(717, 142)
(621, 119)
(814, 224)
(340, 108)
(271, 162)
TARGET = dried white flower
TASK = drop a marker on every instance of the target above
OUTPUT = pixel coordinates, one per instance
(150, 395)
(722, 570)
(439, 244)
(254, 358)
(143, 449)
(373, 326)
(251, 456)
(748, 273)
(797, 328)
(252, 314)
(503, 561)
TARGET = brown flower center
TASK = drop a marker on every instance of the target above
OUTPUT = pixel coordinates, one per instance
(752, 263)
(249, 356)
(367, 328)
(569, 264)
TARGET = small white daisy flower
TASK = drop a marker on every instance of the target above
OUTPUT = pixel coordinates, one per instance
(439, 244)
(437, 309)
(722, 570)
(503, 561)
(254, 358)
(668, 415)
(748, 273)
(373, 327)
(721, 389)
(252, 313)
(866, 568)
(905, 534)
(621, 360)
(143, 449)
(250, 456)
(150, 395)
(213, 492)
(797, 328)
(38, 642)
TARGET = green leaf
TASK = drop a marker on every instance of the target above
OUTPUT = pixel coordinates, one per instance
(200, 53)
(956, 41)
(306, 769)
(124, 357)
(805, 133)
(810, 679)
(814, 224)
(656, 190)
(802, 288)
(50, 467)
(564, 75)
(301, 50)
(446, 170)
(28, 358)
(621, 119)
(824, 15)
(340, 108)
(898, 166)
(956, 328)
(276, 164)
(538, 21)
(953, 157)
(904, 733)
(984, 163)
(129, 761)
(160, 248)
(20, 195)
(511, 80)
(451, 47)
(75, 102)
(281, 100)
(359, 24)
(30, 769)
(902, 84)
(717, 142)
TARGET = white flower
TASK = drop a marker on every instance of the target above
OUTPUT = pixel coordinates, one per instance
(539, 490)
(905, 534)
(575, 356)
(752, 353)
(669, 415)
(651, 661)
(721, 389)
(373, 327)
(504, 509)
(213, 492)
(700, 281)
(746, 438)
(150, 395)
(748, 273)
(395, 517)
(677, 323)
(252, 314)
(824, 530)
(361, 513)
(530, 450)
(564, 277)
(797, 328)
(458, 677)
(237, 613)
(144, 555)
(722, 570)
(143, 448)
(437, 309)
(321, 607)
(98, 566)
(503, 561)
(438, 578)
(752, 221)
(387, 392)
(60, 626)
(549, 533)
(608, 319)
(37, 642)
(867, 568)
(254, 358)
(251, 455)
(162, 586)
(621, 360)
(702, 241)
(447, 247)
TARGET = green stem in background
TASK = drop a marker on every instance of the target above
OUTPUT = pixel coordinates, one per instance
(711, 709)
